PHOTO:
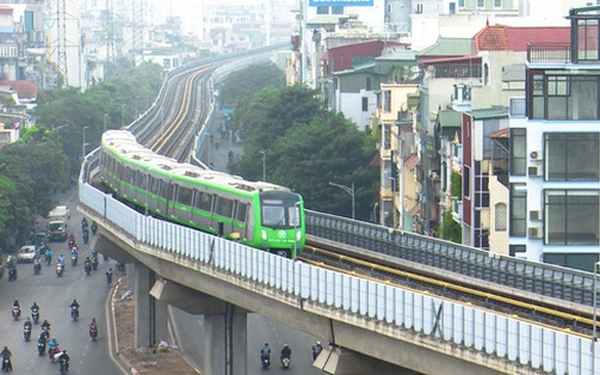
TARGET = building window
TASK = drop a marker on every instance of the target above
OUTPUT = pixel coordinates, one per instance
(322, 10)
(514, 250)
(572, 156)
(368, 84)
(365, 104)
(389, 8)
(466, 183)
(518, 210)
(564, 97)
(518, 151)
(480, 3)
(337, 10)
(497, 3)
(461, 3)
(571, 217)
(500, 217)
(587, 40)
(387, 101)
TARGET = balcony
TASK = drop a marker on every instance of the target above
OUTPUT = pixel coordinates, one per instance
(549, 53)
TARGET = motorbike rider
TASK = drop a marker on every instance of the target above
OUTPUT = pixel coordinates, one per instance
(6, 355)
(52, 347)
(93, 326)
(84, 223)
(74, 252)
(63, 359)
(317, 348)
(37, 263)
(265, 352)
(27, 328)
(94, 227)
(16, 304)
(61, 258)
(45, 325)
(286, 352)
(109, 273)
(48, 255)
(35, 307)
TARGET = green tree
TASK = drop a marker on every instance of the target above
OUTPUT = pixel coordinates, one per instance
(306, 148)
(248, 81)
(450, 229)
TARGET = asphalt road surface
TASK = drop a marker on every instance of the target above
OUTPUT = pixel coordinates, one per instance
(54, 294)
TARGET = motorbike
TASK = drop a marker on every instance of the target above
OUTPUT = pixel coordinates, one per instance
(6, 363)
(93, 332)
(86, 237)
(74, 313)
(35, 315)
(74, 260)
(95, 262)
(52, 352)
(285, 362)
(265, 362)
(26, 332)
(64, 366)
(16, 312)
(59, 269)
(88, 268)
(12, 274)
(94, 227)
(41, 346)
(37, 267)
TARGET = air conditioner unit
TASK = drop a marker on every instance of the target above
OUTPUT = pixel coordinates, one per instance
(535, 171)
(535, 232)
(535, 155)
(535, 215)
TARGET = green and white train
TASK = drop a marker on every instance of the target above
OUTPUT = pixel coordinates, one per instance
(259, 214)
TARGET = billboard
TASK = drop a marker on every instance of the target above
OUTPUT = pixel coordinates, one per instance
(340, 3)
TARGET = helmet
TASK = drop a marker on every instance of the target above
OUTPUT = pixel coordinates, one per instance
(318, 342)
(285, 345)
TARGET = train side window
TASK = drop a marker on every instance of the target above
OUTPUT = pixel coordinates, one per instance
(142, 180)
(110, 164)
(167, 191)
(240, 213)
(133, 177)
(224, 207)
(154, 184)
(184, 196)
(118, 169)
(203, 201)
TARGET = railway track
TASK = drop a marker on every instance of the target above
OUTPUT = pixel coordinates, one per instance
(455, 287)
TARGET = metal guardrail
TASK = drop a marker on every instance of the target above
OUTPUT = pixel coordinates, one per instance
(544, 279)
(503, 337)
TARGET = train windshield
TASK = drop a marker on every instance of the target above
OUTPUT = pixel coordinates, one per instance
(280, 213)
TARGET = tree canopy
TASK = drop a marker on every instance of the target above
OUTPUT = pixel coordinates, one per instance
(242, 83)
(306, 148)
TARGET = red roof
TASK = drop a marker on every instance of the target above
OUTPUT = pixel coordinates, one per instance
(341, 56)
(25, 89)
(5, 9)
(508, 38)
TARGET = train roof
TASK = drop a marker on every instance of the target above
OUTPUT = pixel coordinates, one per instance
(123, 142)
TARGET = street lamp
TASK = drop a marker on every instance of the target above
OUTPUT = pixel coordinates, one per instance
(264, 154)
(83, 144)
(349, 190)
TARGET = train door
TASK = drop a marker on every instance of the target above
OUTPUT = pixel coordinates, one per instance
(241, 218)
(224, 212)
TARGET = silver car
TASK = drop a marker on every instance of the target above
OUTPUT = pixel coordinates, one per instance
(27, 254)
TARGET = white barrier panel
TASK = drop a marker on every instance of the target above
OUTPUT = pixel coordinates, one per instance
(517, 341)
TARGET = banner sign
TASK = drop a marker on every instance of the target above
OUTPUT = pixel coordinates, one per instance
(340, 3)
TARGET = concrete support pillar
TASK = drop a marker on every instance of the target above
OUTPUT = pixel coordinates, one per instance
(216, 336)
(150, 315)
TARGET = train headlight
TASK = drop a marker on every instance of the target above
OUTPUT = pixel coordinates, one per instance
(298, 235)
(263, 234)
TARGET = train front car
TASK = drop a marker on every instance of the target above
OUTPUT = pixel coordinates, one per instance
(282, 229)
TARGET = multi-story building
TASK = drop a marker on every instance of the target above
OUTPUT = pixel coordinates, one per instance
(555, 150)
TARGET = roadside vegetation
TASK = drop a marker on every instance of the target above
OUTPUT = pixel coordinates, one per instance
(305, 147)
(47, 156)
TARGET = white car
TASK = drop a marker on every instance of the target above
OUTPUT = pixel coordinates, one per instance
(27, 254)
